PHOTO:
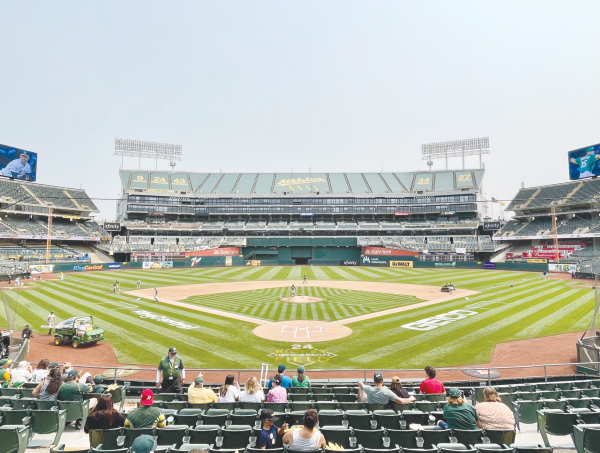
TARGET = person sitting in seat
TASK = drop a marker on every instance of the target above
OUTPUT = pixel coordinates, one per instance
(98, 387)
(146, 416)
(431, 384)
(307, 438)
(277, 394)
(396, 387)
(300, 380)
(380, 394)
(457, 413)
(229, 392)
(493, 413)
(144, 444)
(104, 415)
(197, 394)
(47, 389)
(253, 392)
(269, 432)
(72, 390)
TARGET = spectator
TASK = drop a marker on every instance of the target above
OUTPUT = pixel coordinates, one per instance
(144, 444)
(277, 394)
(230, 391)
(53, 365)
(380, 394)
(197, 394)
(73, 390)
(4, 363)
(493, 413)
(307, 438)
(269, 432)
(431, 384)
(396, 387)
(286, 382)
(300, 380)
(65, 371)
(104, 415)
(41, 371)
(47, 390)
(21, 374)
(146, 416)
(457, 413)
(98, 387)
(253, 392)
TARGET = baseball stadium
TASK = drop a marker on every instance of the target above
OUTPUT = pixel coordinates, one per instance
(339, 275)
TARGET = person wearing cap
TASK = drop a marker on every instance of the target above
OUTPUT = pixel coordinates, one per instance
(277, 394)
(431, 384)
(380, 394)
(98, 387)
(26, 334)
(197, 394)
(300, 380)
(173, 373)
(18, 168)
(50, 320)
(21, 374)
(457, 413)
(143, 444)
(4, 363)
(286, 382)
(73, 390)
(396, 387)
(53, 365)
(146, 416)
(269, 432)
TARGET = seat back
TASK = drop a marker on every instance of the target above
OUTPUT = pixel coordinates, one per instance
(14, 438)
(295, 397)
(370, 438)
(342, 390)
(532, 449)
(297, 390)
(435, 396)
(76, 410)
(105, 437)
(16, 417)
(405, 438)
(411, 416)
(337, 435)
(591, 440)
(295, 418)
(172, 435)
(254, 406)
(434, 436)
(225, 406)
(326, 405)
(301, 406)
(525, 411)
(204, 407)
(276, 407)
(204, 434)
(330, 417)
(345, 398)
(350, 406)
(468, 436)
(360, 419)
(46, 422)
(132, 434)
(560, 423)
(387, 419)
(237, 437)
(501, 436)
(22, 403)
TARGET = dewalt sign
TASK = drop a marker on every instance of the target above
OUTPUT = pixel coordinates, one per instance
(401, 264)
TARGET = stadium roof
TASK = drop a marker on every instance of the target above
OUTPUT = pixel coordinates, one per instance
(302, 183)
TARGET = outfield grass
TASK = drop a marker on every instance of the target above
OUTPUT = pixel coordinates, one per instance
(531, 308)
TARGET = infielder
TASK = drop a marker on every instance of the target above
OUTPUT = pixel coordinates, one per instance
(50, 320)
(138, 284)
(305, 282)
(293, 288)
(155, 295)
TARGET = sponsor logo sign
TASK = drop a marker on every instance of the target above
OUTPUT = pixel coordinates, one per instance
(112, 226)
(349, 263)
(402, 213)
(157, 264)
(562, 267)
(487, 265)
(112, 266)
(374, 261)
(228, 260)
(301, 355)
(41, 268)
(401, 264)
(223, 251)
(172, 322)
(439, 320)
(537, 260)
(149, 254)
(97, 267)
(253, 263)
(491, 225)
(382, 251)
(445, 264)
(461, 250)
(195, 261)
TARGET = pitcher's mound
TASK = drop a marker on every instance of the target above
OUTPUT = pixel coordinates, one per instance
(302, 331)
(301, 299)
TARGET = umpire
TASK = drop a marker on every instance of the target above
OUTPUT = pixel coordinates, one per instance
(173, 374)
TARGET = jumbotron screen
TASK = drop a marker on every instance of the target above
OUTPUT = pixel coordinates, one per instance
(18, 163)
(584, 162)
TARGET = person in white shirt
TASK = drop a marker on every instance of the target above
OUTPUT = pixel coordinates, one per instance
(50, 320)
(40, 373)
(253, 392)
(230, 391)
(22, 373)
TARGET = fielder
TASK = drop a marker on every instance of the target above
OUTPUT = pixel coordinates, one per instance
(155, 295)
(50, 320)
(293, 288)
(138, 284)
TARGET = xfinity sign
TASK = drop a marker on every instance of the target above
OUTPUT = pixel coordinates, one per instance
(112, 226)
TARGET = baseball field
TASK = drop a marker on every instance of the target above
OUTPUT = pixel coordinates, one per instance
(355, 318)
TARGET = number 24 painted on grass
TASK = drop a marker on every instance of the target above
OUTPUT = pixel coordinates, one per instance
(299, 346)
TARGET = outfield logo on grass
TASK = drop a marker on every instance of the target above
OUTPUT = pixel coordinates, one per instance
(164, 319)
(439, 320)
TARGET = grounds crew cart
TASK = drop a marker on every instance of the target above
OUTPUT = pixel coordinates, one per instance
(77, 331)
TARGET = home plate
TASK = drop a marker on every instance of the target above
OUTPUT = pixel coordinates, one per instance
(302, 331)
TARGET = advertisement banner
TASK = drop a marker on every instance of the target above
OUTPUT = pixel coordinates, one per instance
(488, 226)
(148, 254)
(445, 264)
(157, 264)
(222, 251)
(41, 268)
(253, 263)
(562, 267)
(537, 260)
(349, 263)
(112, 226)
(461, 250)
(89, 267)
(488, 265)
(401, 264)
(113, 266)
(228, 261)
(382, 251)
(402, 213)
(373, 261)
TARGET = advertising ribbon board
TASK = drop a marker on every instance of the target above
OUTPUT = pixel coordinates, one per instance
(382, 251)
(537, 260)
(401, 264)
(487, 265)
(222, 251)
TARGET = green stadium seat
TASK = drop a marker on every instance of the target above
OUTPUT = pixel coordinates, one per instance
(326, 405)
(345, 397)
(351, 406)
(188, 416)
(467, 436)
(14, 438)
(320, 390)
(564, 385)
(276, 407)
(301, 406)
(549, 394)
(298, 397)
(435, 396)
(376, 407)
(302, 390)
(26, 392)
(338, 435)
(101, 449)
(238, 437)
(44, 405)
(556, 423)
(10, 391)
(255, 450)
(524, 388)
(387, 419)
(341, 390)
(245, 417)
(405, 438)
(587, 438)
(426, 406)
(173, 435)
(543, 387)
(370, 438)
(187, 447)
(360, 419)
(203, 407)
(525, 411)
(254, 406)
(22, 403)
(590, 393)
(109, 438)
(401, 407)
(330, 417)
(453, 447)
(133, 433)
(409, 417)
(225, 406)
(215, 417)
(532, 449)
(294, 418)
(323, 397)
(571, 393)
(501, 436)
(528, 396)
(76, 412)
(205, 434)
(492, 448)
(434, 436)
(48, 422)
(165, 397)
(176, 405)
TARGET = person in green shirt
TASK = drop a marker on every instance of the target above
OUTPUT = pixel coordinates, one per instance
(72, 390)
(300, 380)
(98, 387)
(173, 373)
(457, 413)
(146, 416)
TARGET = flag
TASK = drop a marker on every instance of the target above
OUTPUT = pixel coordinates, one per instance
(502, 203)
(494, 200)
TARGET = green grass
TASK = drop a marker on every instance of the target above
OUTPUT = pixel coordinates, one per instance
(531, 308)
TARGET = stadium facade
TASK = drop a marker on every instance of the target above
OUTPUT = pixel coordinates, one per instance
(303, 218)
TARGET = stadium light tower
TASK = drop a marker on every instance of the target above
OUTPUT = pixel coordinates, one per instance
(456, 148)
(150, 150)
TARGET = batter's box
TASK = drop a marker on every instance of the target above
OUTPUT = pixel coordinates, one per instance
(301, 332)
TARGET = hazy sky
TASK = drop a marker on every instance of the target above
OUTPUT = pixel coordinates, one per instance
(270, 85)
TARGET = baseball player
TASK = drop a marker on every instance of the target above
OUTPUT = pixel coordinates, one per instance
(155, 295)
(305, 282)
(586, 164)
(293, 288)
(138, 284)
(18, 168)
(50, 320)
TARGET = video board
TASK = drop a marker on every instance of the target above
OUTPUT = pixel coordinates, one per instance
(18, 163)
(584, 162)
